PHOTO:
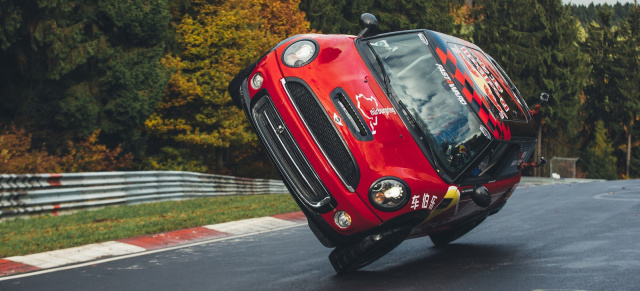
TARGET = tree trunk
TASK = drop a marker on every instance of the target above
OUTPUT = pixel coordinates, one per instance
(219, 159)
(628, 150)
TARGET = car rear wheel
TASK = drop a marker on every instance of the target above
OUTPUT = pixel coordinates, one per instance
(445, 237)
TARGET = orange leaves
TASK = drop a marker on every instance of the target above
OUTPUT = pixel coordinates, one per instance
(88, 155)
(282, 18)
(16, 157)
(462, 14)
(19, 157)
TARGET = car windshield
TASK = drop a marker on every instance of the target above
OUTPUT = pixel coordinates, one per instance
(426, 90)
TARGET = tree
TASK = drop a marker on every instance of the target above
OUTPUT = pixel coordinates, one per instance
(628, 72)
(195, 126)
(602, 94)
(562, 73)
(588, 14)
(339, 16)
(536, 42)
(73, 67)
(598, 157)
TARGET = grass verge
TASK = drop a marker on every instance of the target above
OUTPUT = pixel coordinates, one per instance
(48, 232)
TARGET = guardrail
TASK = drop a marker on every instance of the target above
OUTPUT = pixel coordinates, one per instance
(37, 193)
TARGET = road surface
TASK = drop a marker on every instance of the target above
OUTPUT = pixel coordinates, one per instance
(570, 237)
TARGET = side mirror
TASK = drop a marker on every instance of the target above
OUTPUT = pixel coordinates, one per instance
(368, 23)
(539, 163)
(544, 97)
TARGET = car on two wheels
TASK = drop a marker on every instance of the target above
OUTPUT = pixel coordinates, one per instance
(387, 137)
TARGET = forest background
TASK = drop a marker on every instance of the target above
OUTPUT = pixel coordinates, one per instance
(92, 85)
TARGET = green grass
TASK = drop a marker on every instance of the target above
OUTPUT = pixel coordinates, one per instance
(47, 232)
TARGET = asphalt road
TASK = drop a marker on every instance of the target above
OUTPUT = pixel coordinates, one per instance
(570, 237)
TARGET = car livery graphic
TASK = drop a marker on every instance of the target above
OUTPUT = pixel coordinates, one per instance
(370, 109)
(387, 137)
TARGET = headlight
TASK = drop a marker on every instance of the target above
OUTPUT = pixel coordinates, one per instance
(389, 194)
(300, 53)
(256, 81)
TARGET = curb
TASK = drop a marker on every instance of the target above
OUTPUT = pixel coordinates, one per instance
(40, 261)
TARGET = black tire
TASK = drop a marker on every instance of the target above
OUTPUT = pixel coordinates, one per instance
(443, 238)
(236, 82)
(368, 250)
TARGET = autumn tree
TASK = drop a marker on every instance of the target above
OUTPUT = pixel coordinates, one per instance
(18, 155)
(195, 126)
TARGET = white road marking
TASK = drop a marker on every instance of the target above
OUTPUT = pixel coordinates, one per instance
(253, 225)
(620, 196)
(77, 254)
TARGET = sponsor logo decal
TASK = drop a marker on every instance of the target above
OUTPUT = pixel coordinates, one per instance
(370, 109)
(485, 132)
(453, 87)
(427, 202)
(423, 38)
(491, 85)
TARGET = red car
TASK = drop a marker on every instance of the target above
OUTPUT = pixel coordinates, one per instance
(388, 137)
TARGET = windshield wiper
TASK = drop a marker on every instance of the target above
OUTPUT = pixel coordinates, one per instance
(423, 136)
(385, 77)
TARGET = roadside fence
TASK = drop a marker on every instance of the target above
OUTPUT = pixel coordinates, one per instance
(39, 193)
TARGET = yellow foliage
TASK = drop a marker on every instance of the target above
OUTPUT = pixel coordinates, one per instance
(217, 41)
(462, 14)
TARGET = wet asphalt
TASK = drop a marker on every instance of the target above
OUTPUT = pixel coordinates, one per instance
(570, 237)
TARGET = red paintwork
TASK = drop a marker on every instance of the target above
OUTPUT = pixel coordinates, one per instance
(156, 241)
(9, 268)
(54, 180)
(291, 216)
(393, 152)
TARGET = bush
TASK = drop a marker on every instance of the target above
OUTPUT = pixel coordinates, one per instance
(19, 156)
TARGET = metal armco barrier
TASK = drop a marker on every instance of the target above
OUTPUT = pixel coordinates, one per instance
(36, 193)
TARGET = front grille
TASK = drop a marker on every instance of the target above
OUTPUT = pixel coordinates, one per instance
(288, 157)
(330, 142)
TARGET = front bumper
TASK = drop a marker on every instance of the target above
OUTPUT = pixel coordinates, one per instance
(319, 200)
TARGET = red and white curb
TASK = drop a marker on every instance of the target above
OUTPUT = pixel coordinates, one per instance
(92, 252)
